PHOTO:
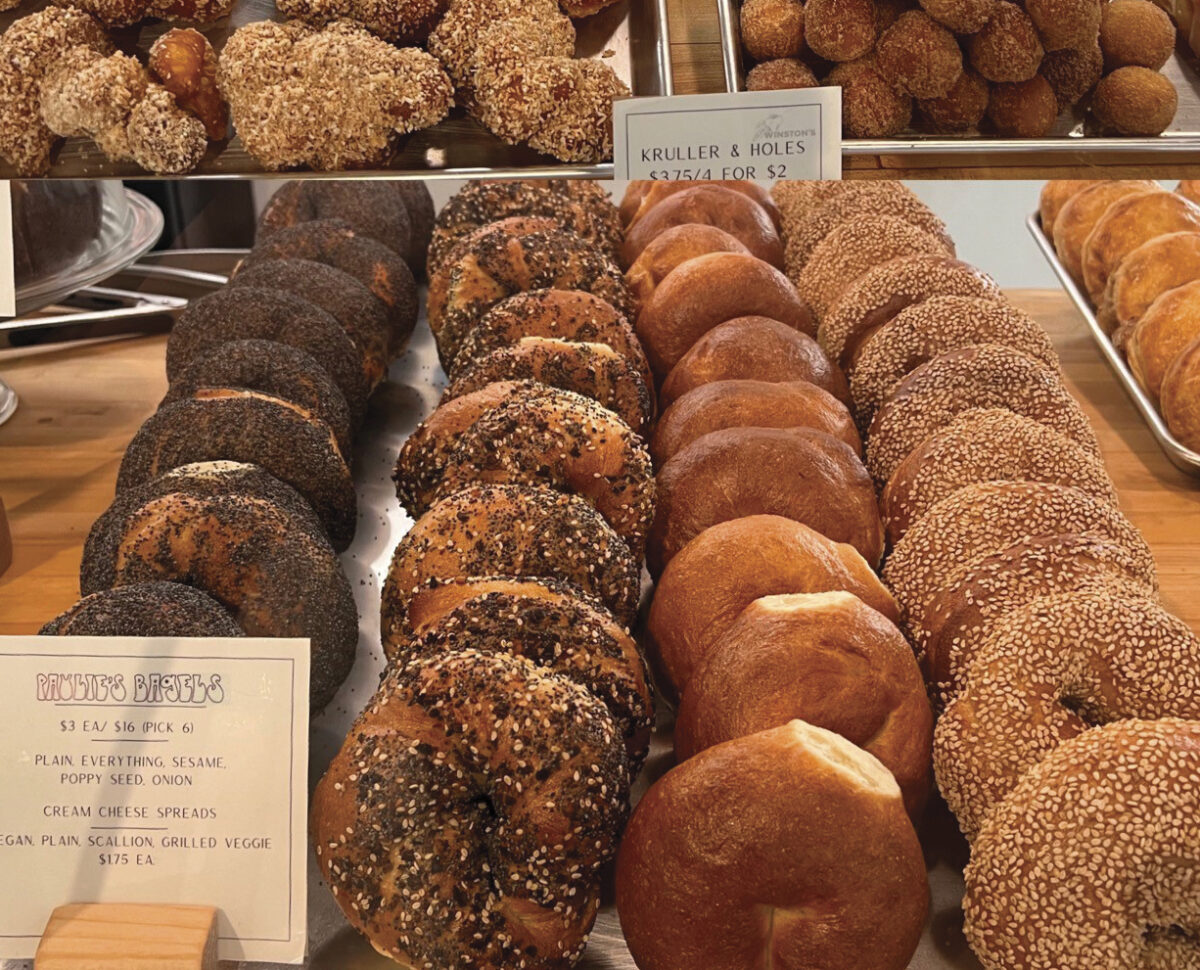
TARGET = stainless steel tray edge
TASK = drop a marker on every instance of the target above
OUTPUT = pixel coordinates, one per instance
(1183, 458)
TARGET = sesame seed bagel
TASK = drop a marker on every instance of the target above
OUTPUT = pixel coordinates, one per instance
(559, 314)
(498, 261)
(981, 520)
(882, 292)
(706, 291)
(466, 818)
(340, 295)
(959, 616)
(248, 312)
(922, 332)
(757, 349)
(749, 404)
(271, 567)
(579, 206)
(853, 249)
(334, 242)
(1050, 671)
(273, 368)
(151, 609)
(986, 446)
(593, 370)
(561, 632)
(514, 531)
(1089, 862)
(248, 426)
(554, 438)
(798, 473)
(827, 659)
(980, 376)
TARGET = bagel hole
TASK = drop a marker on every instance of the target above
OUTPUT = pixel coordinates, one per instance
(847, 759)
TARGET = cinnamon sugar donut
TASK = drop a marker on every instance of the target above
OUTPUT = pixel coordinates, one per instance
(154, 609)
(919, 56)
(1008, 47)
(1023, 109)
(961, 108)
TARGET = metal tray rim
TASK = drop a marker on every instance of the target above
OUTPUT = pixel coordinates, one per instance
(1182, 457)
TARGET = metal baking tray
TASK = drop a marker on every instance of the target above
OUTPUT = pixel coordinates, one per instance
(631, 34)
(1182, 457)
(1071, 137)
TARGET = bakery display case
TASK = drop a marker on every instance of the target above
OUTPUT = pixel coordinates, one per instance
(667, 554)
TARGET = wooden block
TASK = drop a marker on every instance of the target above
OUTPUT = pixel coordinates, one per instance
(129, 936)
(6, 545)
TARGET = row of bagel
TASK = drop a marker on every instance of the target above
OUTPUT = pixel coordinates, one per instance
(235, 496)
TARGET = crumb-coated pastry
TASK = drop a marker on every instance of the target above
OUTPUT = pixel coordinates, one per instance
(185, 63)
(805, 234)
(558, 314)
(730, 565)
(959, 617)
(840, 30)
(919, 56)
(398, 23)
(670, 248)
(29, 49)
(1073, 73)
(514, 531)
(781, 74)
(1023, 109)
(1062, 665)
(978, 376)
(1135, 101)
(1008, 48)
(246, 313)
(595, 371)
(333, 98)
(795, 822)
(340, 295)
(713, 205)
(557, 630)
(273, 368)
(1156, 266)
(642, 195)
(757, 349)
(772, 28)
(581, 206)
(881, 293)
(335, 243)
(499, 261)
(467, 816)
(1179, 396)
(151, 609)
(270, 566)
(228, 424)
(981, 520)
(1061, 873)
(961, 16)
(1082, 211)
(799, 473)
(561, 440)
(923, 331)
(1063, 24)
(707, 291)
(991, 444)
(856, 247)
(1136, 33)
(1162, 333)
(371, 208)
(1055, 194)
(749, 404)
(871, 107)
(786, 655)
(961, 108)
(1128, 223)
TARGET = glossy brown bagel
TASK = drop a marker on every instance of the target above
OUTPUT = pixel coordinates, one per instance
(1079, 216)
(153, 609)
(798, 473)
(670, 248)
(642, 196)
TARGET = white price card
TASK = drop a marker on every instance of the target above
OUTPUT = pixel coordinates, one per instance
(764, 136)
(156, 770)
(8, 276)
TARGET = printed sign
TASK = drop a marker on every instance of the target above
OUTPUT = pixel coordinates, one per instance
(763, 136)
(156, 770)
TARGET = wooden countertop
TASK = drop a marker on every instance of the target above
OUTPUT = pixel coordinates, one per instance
(697, 68)
(81, 403)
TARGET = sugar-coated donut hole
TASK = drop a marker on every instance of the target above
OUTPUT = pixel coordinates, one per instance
(772, 28)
